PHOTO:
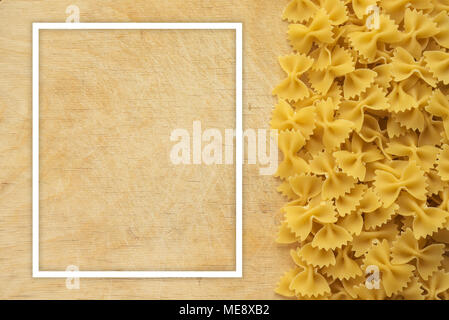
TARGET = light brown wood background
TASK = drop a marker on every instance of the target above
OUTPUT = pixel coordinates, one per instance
(95, 210)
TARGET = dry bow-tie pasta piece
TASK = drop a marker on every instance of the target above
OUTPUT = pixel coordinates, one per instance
(363, 122)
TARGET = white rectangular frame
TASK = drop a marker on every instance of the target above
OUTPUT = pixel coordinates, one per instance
(237, 273)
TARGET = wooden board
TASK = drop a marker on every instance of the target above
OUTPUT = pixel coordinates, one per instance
(94, 208)
(111, 198)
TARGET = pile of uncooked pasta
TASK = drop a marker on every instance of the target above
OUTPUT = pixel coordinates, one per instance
(363, 126)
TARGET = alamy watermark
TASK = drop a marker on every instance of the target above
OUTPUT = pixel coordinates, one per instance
(215, 146)
(72, 283)
(373, 277)
(74, 13)
(373, 19)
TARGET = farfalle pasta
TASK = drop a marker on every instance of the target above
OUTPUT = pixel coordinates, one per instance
(354, 109)
(395, 276)
(357, 155)
(337, 183)
(290, 143)
(332, 130)
(407, 146)
(293, 88)
(428, 257)
(319, 30)
(438, 63)
(370, 42)
(363, 122)
(322, 76)
(404, 66)
(418, 29)
(407, 179)
(358, 81)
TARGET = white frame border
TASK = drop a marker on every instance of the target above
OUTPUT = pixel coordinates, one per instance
(237, 273)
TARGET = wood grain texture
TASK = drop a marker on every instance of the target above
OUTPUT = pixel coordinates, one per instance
(108, 124)
(111, 198)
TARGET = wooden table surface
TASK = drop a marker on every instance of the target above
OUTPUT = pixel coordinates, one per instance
(110, 200)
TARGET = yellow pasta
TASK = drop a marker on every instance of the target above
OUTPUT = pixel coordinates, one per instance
(333, 131)
(347, 204)
(437, 286)
(308, 282)
(395, 128)
(413, 291)
(300, 218)
(322, 76)
(285, 118)
(407, 96)
(302, 37)
(396, 8)
(369, 42)
(337, 183)
(352, 223)
(354, 110)
(345, 267)
(357, 81)
(300, 10)
(305, 187)
(418, 29)
(439, 107)
(380, 216)
(292, 88)
(404, 66)
(428, 259)
(316, 256)
(331, 236)
(435, 183)
(363, 242)
(442, 21)
(407, 146)
(438, 64)
(360, 6)
(432, 132)
(390, 183)
(336, 11)
(413, 119)
(353, 161)
(290, 143)
(443, 163)
(395, 276)
(363, 120)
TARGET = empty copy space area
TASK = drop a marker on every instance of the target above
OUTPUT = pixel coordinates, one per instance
(110, 197)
